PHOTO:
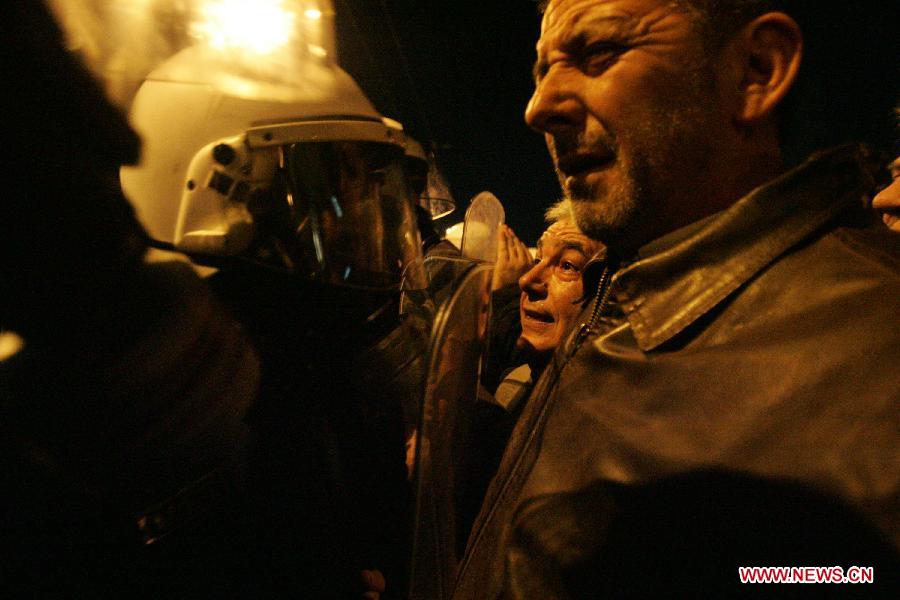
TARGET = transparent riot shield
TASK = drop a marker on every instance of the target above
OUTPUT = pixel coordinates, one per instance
(483, 218)
(461, 290)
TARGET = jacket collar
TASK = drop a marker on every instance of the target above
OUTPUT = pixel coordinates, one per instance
(671, 288)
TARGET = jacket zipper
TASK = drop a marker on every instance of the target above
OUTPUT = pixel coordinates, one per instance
(601, 299)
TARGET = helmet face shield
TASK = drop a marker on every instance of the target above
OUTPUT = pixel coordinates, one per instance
(328, 200)
(345, 214)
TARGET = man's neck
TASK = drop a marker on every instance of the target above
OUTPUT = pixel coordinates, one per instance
(735, 177)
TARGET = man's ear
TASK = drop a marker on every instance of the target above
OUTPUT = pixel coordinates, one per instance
(769, 50)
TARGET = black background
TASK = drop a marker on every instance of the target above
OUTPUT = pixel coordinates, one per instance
(457, 74)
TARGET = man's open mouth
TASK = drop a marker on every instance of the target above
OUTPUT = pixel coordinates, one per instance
(582, 162)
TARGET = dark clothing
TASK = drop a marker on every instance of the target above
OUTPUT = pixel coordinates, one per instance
(131, 460)
(122, 437)
(327, 469)
(758, 344)
(505, 329)
(130, 401)
(123, 451)
(172, 453)
(685, 535)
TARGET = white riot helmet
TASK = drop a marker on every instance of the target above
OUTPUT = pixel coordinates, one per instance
(278, 160)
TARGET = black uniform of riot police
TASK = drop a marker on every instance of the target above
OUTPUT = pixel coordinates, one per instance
(150, 442)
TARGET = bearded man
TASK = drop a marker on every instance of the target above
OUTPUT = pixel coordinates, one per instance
(747, 323)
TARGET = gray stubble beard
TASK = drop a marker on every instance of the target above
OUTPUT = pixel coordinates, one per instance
(638, 207)
(608, 213)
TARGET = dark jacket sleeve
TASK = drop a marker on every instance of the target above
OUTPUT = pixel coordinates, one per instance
(504, 331)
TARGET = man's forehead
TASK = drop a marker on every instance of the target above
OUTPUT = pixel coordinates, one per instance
(568, 13)
(565, 20)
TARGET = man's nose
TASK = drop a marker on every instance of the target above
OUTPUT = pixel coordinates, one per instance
(555, 105)
(534, 281)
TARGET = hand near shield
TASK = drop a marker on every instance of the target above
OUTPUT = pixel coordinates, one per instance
(513, 259)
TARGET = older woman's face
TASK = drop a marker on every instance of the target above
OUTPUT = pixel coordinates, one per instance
(887, 202)
(552, 287)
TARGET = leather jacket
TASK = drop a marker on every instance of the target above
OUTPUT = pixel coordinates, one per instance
(762, 340)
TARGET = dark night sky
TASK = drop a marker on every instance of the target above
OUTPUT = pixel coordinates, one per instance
(457, 74)
(471, 67)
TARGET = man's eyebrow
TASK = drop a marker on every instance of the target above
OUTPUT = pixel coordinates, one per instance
(578, 35)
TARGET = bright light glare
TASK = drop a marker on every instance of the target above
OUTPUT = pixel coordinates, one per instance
(10, 344)
(313, 14)
(262, 26)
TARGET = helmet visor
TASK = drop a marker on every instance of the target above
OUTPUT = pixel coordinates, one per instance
(352, 216)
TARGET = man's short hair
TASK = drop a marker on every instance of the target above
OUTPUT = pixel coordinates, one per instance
(717, 21)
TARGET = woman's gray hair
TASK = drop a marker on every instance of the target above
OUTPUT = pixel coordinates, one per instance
(559, 211)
